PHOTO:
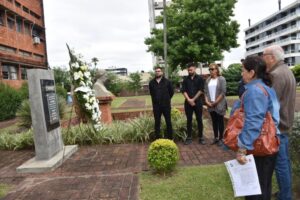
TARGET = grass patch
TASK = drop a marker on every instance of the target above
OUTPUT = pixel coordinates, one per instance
(3, 190)
(232, 97)
(178, 99)
(200, 182)
(118, 101)
(193, 183)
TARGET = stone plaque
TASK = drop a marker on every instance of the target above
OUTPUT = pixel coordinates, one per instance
(50, 104)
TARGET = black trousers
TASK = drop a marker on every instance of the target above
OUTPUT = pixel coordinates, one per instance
(218, 124)
(265, 167)
(189, 110)
(158, 110)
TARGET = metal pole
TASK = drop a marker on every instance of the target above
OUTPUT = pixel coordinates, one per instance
(165, 40)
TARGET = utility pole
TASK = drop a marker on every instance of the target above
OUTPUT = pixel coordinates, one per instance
(165, 40)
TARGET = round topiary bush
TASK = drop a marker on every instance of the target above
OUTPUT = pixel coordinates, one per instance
(163, 155)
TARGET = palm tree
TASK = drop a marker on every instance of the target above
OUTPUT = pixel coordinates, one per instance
(95, 60)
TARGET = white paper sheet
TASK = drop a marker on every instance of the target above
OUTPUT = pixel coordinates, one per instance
(244, 178)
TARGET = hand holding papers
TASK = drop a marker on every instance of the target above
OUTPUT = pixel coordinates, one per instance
(244, 178)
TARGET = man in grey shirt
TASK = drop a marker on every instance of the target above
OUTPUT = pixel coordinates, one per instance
(284, 84)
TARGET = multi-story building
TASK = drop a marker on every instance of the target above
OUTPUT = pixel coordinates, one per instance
(155, 9)
(118, 71)
(22, 39)
(281, 28)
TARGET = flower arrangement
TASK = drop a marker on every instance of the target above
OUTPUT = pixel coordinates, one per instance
(83, 92)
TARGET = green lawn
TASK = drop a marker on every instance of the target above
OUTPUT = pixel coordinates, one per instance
(3, 190)
(193, 183)
(118, 101)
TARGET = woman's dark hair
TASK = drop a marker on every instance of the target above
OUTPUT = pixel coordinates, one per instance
(258, 65)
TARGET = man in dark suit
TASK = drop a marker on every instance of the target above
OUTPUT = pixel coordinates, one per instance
(161, 92)
(193, 90)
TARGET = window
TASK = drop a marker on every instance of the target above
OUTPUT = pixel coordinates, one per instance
(5, 73)
(2, 17)
(19, 26)
(25, 9)
(27, 28)
(35, 15)
(9, 72)
(23, 74)
(36, 32)
(38, 57)
(13, 73)
(7, 49)
(11, 22)
(18, 4)
(24, 53)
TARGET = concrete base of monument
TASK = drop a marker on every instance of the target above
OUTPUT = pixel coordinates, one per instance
(39, 166)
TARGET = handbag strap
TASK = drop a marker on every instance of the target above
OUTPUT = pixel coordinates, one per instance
(258, 85)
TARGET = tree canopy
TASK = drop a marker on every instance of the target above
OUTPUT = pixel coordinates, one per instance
(197, 31)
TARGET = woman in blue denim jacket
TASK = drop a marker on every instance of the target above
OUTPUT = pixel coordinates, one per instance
(256, 105)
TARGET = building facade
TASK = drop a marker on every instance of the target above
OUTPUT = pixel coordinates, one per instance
(155, 9)
(118, 71)
(22, 39)
(281, 28)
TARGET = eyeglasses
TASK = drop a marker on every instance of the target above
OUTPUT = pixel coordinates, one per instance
(266, 54)
(211, 69)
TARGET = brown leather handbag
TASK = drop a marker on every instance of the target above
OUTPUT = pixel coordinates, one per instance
(266, 144)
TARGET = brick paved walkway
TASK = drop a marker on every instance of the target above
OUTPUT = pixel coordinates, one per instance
(97, 172)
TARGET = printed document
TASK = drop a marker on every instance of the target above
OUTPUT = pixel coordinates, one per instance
(244, 178)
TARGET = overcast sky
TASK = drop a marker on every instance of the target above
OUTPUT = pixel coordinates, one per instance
(114, 30)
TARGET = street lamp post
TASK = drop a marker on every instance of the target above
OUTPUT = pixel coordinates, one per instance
(165, 39)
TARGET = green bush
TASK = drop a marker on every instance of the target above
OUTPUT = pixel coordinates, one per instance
(23, 91)
(60, 91)
(140, 129)
(10, 101)
(16, 141)
(232, 75)
(294, 145)
(24, 112)
(163, 155)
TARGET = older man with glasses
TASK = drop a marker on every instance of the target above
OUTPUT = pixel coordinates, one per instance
(284, 84)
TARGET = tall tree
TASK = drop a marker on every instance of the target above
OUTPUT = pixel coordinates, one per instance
(95, 60)
(198, 31)
(62, 77)
(135, 82)
(233, 74)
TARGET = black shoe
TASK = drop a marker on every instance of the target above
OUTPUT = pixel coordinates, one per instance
(188, 141)
(220, 143)
(215, 141)
(201, 141)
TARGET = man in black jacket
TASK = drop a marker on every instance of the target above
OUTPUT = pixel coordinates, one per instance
(161, 92)
(192, 89)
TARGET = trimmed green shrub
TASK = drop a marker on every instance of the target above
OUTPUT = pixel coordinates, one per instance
(10, 101)
(163, 155)
(24, 112)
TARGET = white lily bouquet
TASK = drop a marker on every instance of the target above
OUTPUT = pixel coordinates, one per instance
(83, 92)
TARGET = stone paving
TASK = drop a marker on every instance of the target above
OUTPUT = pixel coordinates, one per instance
(95, 172)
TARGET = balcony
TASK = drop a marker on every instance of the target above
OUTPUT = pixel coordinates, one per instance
(286, 31)
(278, 22)
(284, 42)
